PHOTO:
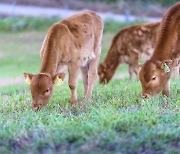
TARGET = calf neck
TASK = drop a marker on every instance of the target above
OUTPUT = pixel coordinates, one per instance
(127, 46)
(155, 73)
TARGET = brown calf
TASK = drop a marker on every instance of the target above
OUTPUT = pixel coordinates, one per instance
(74, 43)
(155, 73)
(127, 46)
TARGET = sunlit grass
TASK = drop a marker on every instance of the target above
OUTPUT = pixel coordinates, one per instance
(20, 52)
(115, 120)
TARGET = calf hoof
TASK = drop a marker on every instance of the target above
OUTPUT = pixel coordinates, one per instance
(88, 95)
(166, 93)
(73, 101)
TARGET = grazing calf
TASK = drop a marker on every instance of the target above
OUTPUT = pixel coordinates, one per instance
(155, 73)
(74, 43)
(127, 46)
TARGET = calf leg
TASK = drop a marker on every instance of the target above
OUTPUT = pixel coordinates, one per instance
(85, 78)
(133, 57)
(92, 71)
(73, 80)
(131, 71)
(92, 76)
(175, 72)
(136, 71)
(166, 90)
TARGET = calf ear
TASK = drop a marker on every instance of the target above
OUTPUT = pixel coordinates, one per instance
(103, 65)
(140, 65)
(168, 62)
(176, 62)
(58, 79)
(167, 65)
(28, 77)
(164, 65)
(160, 64)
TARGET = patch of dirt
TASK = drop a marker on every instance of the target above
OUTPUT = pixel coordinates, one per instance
(11, 81)
(120, 76)
(19, 80)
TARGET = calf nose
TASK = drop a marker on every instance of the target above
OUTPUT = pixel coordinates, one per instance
(35, 107)
(144, 96)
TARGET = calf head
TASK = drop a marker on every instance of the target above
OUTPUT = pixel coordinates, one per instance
(41, 86)
(154, 75)
(102, 73)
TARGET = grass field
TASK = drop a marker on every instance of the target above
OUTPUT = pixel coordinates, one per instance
(116, 120)
(19, 52)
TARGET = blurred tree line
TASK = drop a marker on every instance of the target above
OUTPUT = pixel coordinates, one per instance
(162, 2)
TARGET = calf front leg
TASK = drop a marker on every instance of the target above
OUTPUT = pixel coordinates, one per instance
(166, 90)
(175, 72)
(73, 80)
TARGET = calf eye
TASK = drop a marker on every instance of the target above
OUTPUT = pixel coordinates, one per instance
(154, 78)
(47, 91)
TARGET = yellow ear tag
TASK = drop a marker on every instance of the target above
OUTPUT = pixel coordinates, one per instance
(27, 80)
(58, 81)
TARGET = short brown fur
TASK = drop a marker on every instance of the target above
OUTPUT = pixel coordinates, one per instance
(153, 75)
(74, 43)
(127, 46)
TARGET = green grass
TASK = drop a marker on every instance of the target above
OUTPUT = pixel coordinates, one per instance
(19, 52)
(26, 23)
(116, 120)
(40, 24)
(23, 37)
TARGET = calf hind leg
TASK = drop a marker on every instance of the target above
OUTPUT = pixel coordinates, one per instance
(92, 71)
(92, 76)
(175, 72)
(131, 72)
(85, 78)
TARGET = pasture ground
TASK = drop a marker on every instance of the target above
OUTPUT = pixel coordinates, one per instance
(116, 120)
